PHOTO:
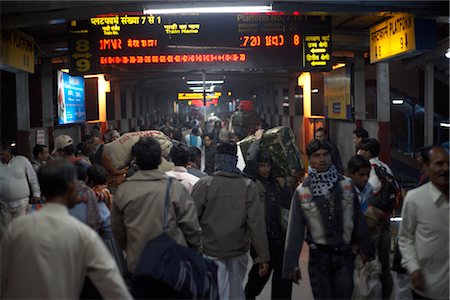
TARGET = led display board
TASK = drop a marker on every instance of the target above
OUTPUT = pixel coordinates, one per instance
(133, 43)
(71, 102)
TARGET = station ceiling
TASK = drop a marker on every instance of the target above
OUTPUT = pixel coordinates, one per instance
(351, 20)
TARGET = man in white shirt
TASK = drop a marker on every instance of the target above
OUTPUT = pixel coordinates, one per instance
(180, 157)
(47, 254)
(424, 231)
(17, 176)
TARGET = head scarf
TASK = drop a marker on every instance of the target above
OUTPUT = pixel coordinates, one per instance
(226, 162)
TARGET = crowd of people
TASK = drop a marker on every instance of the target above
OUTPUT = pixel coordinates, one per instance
(226, 213)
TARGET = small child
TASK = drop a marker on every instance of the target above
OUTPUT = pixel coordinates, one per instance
(359, 170)
(96, 179)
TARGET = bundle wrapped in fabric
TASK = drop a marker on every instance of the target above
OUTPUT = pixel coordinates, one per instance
(279, 142)
(119, 151)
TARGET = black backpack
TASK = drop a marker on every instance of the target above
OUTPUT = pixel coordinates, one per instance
(389, 196)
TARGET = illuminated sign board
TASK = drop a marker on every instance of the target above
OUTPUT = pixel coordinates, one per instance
(71, 102)
(192, 96)
(17, 51)
(178, 42)
(401, 34)
(317, 51)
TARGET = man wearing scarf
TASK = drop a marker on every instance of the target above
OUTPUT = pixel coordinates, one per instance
(326, 205)
(230, 211)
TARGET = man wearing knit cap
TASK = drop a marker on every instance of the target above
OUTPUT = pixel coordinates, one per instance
(230, 211)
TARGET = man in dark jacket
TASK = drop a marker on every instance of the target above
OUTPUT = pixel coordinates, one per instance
(276, 195)
(229, 211)
(326, 205)
(210, 153)
(322, 134)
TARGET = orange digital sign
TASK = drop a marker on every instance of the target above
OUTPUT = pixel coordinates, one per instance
(217, 42)
(170, 59)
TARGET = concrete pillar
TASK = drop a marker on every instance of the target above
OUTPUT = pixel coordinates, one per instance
(129, 103)
(23, 101)
(23, 114)
(383, 110)
(360, 89)
(117, 102)
(47, 93)
(291, 94)
(429, 104)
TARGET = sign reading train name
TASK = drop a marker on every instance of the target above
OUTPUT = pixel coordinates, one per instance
(399, 35)
(130, 43)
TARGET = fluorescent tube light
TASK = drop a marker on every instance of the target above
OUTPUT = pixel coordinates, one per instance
(206, 82)
(443, 124)
(397, 101)
(315, 91)
(210, 10)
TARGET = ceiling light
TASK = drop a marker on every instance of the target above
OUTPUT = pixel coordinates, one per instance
(211, 10)
(206, 82)
(447, 53)
(397, 101)
(315, 91)
(445, 124)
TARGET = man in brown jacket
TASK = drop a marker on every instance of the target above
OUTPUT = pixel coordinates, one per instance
(137, 212)
(231, 215)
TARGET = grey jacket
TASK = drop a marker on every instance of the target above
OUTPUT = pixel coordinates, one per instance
(137, 214)
(231, 216)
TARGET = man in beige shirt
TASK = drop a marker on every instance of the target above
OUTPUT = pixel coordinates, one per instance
(49, 253)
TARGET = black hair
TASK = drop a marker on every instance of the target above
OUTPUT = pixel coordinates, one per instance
(424, 152)
(229, 148)
(68, 150)
(211, 137)
(81, 170)
(264, 157)
(148, 153)
(55, 177)
(177, 135)
(86, 148)
(321, 129)
(194, 153)
(38, 149)
(195, 131)
(371, 145)
(180, 155)
(6, 146)
(97, 175)
(316, 145)
(361, 133)
(357, 162)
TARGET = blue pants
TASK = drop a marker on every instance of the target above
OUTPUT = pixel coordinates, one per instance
(331, 274)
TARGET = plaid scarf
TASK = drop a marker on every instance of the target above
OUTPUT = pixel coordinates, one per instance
(86, 195)
(226, 163)
(322, 183)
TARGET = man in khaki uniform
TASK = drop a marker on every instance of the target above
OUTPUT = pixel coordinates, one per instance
(48, 254)
(137, 212)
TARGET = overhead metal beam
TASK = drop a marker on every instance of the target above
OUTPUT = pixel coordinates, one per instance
(428, 56)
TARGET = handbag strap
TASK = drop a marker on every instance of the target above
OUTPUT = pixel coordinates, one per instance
(166, 205)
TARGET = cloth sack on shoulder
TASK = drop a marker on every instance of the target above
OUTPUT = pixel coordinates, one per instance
(168, 270)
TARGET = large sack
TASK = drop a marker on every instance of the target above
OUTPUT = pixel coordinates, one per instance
(120, 150)
(280, 143)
